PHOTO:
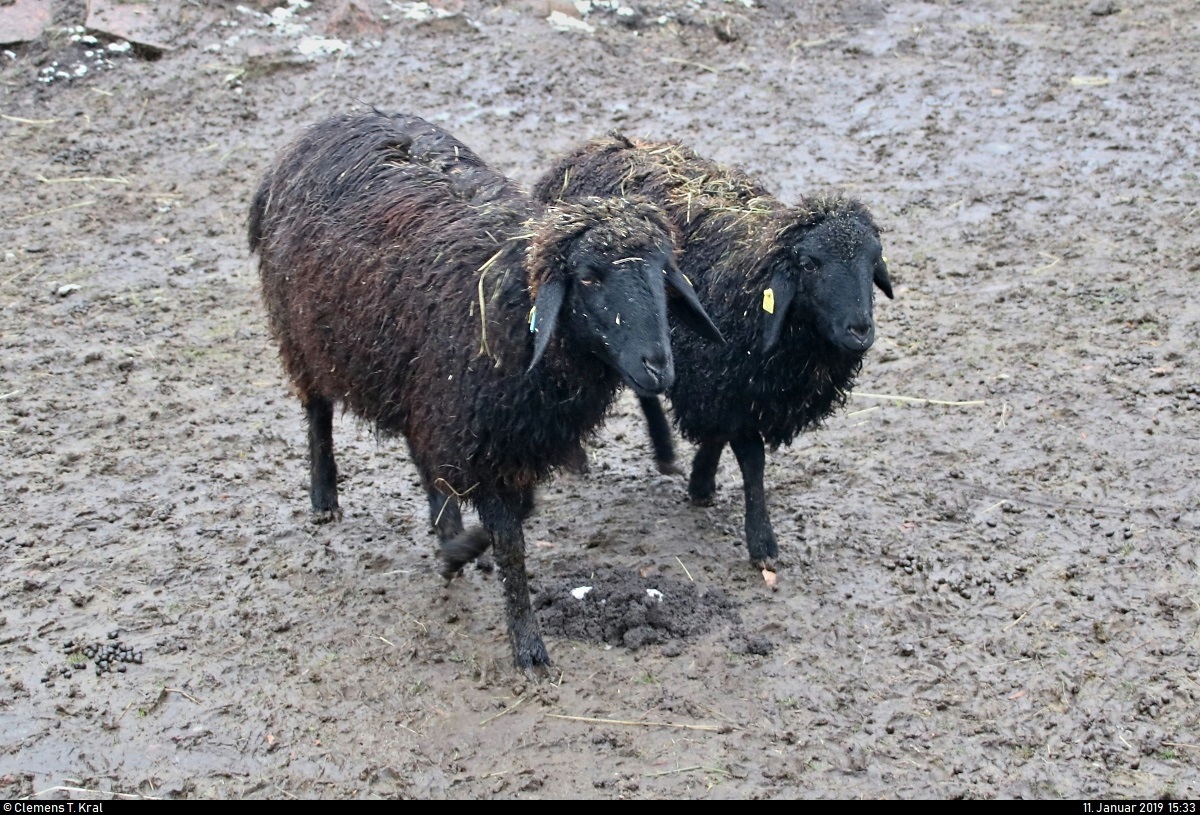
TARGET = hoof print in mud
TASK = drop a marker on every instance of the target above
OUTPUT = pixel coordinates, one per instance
(750, 644)
(620, 607)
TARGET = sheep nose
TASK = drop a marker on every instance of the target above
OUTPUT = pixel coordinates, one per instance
(862, 333)
(660, 369)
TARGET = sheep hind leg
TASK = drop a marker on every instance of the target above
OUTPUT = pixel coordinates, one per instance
(322, 490)
(444, 515)
(760, 538)
(660, 435)
(503, 518)
(702, 486)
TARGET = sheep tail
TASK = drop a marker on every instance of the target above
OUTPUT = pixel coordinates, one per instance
(462, 549)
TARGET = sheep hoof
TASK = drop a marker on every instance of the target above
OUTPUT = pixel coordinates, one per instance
(577, 462)
(324, 516)
(464, 548)
(580, 467)
(484, 563)
(532, 658)
(542, 673)
(667, 466)
(706, 500)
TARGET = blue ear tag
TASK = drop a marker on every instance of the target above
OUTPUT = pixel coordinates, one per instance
(533, 320)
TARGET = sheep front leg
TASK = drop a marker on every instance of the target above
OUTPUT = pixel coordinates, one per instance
(660, 435)
(502, 518)
(702, 486)
(760, 538)
(322, 490)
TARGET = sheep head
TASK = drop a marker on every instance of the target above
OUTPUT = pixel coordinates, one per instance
(828, 259)
(599, 273)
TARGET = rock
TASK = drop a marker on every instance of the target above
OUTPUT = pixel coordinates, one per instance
(724, 28)
(23, 20)
(319, 46)
(132, 22)
(564, 7)
(64, 290)
(352, 19)
(1103, 8)
(759, 645)
(564, 22)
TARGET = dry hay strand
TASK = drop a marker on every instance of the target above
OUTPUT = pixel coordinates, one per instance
(508, 709)
(914, 400)
(24, 121)
(55, 210)
(85, 179)
(124, 796)
(721, 189)
(710, 728)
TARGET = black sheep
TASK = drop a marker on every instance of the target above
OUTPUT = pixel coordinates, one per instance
(425, 292)
(789, 287)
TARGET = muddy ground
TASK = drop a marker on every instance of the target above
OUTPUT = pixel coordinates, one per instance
(991, 599)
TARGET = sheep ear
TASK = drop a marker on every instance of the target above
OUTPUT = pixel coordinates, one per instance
(544, 317)
(776, 299)
(686, 307)
(882, 280)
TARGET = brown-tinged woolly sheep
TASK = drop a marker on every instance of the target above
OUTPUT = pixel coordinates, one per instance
(789, 287)
(421, 289)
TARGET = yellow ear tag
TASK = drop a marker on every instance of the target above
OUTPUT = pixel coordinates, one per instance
(533, 320)
(769, 300)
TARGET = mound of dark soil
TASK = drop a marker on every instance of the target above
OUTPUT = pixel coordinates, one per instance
(620, 607)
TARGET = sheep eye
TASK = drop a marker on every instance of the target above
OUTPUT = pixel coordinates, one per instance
(589, 277)
(805, 263)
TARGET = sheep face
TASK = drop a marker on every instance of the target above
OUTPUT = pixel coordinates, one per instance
(614, 305)
(830, 269)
